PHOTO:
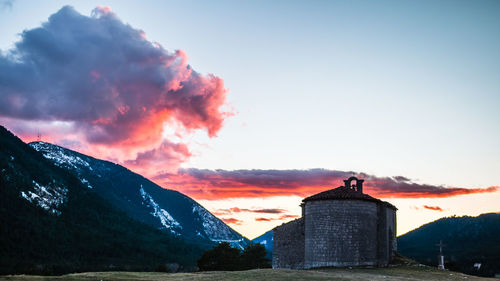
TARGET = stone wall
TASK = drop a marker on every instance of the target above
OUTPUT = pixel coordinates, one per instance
(386, 235)
(382, 236)
(337, 233)
(340, 233)
(288, 245)
(391, 223)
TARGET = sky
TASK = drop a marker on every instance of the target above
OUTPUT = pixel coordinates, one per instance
(250, 106)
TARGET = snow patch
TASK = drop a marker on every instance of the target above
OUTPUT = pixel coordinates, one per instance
(86, 182)
(59, 156)
(165, 218)
(215, 229)
(47, 197)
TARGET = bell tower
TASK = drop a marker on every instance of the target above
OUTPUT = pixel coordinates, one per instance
(357, 187)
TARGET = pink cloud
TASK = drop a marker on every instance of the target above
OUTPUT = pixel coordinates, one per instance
(220, 184)
(433, 208)
(113, 90)
(167, 156)
(102, 10)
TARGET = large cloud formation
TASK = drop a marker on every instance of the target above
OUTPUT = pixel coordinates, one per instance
(103, 81)
(220, 184)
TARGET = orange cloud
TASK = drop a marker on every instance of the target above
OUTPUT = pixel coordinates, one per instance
(232, 221)
(433, 208)
(221, 184)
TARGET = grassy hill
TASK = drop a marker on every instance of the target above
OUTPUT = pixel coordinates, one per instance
(392, 273)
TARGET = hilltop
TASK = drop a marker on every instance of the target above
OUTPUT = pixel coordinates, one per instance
(468, 241)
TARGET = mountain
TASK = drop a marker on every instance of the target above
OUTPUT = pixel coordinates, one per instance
(266, 239)
(167, 210)
(467, 240)
(51, 222)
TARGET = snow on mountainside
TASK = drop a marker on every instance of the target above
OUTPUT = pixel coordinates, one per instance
(59, 155)
(48, 197)
(217, 230)
(51, 223)
(265, 239)
(166, 219)
(143, 200)
(62, 159)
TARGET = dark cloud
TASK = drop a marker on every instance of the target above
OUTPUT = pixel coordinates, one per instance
(284, 217)
(106, 79)
(269, 211)
(219, 184)
(240, 210)
(401, 178)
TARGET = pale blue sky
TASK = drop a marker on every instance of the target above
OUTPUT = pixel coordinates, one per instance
(388, 88)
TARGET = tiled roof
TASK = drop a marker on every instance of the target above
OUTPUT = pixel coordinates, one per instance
(344, 193)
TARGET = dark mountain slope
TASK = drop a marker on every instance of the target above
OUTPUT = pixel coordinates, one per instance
(266, 239)
(468, 240)
(52, 223)
(143, 200)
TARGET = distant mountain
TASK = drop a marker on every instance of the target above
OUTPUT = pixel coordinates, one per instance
(266, 239)
(52, 222)
(143, 200)
(468, 241)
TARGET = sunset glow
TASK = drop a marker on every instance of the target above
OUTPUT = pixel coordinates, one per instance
(249, 118)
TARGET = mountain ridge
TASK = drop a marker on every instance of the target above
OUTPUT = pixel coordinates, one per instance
(266, 239)
(468, 240)
(143, 200)
(51, 223)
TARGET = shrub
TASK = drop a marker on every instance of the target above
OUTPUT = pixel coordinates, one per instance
(225, 257)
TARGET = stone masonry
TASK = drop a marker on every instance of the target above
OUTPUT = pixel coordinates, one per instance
(290, 245)
(338, 228)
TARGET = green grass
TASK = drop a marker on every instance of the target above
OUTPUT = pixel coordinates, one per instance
(391, 273)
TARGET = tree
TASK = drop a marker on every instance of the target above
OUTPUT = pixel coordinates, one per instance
(221, 257)
(254, 256)
(225, 257)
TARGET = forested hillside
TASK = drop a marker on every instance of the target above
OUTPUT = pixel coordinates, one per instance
(51, 223)
(468, 241)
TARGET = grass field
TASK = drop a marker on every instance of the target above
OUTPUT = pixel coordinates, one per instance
(392, 273)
